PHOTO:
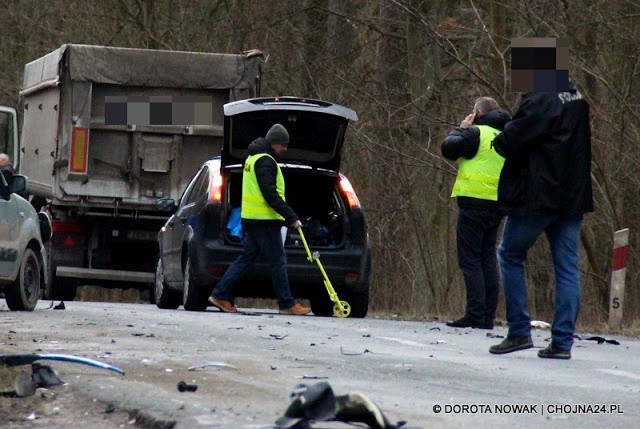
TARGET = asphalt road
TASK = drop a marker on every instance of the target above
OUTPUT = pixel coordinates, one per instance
(426, 374)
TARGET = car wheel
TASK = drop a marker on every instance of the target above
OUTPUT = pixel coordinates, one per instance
(321, 305)
(23, 294)
(165, 298)
(359, 303)
(194, 297)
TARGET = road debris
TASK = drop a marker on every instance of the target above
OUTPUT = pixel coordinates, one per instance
(348, 353)
(602, 340)
(183, 386)
(210, 364)
(27, 358)
(318, 403)
(539, 324)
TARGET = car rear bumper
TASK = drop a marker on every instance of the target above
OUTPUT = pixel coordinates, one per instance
(345, 268)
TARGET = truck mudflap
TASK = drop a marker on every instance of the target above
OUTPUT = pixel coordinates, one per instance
(108, 275)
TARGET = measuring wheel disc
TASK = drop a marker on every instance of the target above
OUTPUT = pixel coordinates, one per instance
(342, 312)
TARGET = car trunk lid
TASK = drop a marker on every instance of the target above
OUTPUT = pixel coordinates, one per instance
(316, 129)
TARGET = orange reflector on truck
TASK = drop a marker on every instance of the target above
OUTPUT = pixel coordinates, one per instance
(348, 192)
(78, 158)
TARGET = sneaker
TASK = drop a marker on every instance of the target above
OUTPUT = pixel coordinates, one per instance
(467, 322)
(296, 310)
(551, 352)
(511, 344)
(224, 306)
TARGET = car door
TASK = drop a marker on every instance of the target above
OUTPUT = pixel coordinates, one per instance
(178, 223)
(10, 222)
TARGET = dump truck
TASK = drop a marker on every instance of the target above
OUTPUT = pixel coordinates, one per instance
(106, 132)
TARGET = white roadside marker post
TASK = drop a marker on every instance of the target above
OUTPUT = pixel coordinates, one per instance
(618, 273)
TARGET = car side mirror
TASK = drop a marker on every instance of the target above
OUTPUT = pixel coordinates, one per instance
(166, 205)
(18, 185)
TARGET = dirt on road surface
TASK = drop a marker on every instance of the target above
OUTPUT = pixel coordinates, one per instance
(60, 407)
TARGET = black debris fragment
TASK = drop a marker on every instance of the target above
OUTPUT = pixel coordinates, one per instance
(183, 386)
(602, 340)
(59, 306)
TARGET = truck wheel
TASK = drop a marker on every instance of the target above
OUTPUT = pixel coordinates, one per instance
(165, 297)
(194, 297)
(23, 294)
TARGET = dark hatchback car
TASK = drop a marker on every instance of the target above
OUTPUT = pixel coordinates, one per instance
(202, 237)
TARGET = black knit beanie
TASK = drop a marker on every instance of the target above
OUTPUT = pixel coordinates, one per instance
(277, 134)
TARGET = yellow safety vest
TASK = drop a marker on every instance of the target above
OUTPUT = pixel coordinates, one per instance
(254, 206)
(478, 177)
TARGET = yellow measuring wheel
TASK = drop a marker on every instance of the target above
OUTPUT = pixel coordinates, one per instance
(340, 308)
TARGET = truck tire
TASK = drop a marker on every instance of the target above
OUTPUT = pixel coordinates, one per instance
(165, 298)
(194, 296)
(24, 293)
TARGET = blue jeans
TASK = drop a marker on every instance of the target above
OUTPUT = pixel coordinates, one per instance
(264, 241)
(519, 234)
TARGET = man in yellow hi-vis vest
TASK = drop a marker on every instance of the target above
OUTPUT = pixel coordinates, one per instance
(476, 190)
(263, 211)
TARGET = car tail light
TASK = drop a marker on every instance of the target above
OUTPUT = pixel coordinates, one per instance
(216, 270)
(349, 193)
(351, 277)
(79, 152)
(215, 188)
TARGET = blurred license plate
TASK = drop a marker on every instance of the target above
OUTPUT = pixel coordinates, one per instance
(142, 235)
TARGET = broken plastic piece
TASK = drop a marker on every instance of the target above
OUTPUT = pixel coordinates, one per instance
(27, 358)
(318, 403)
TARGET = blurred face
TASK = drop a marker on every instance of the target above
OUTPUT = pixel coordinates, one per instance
(279, 149)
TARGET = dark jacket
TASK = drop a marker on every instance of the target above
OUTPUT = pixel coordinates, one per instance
(266, 172)
(464, 143)
(547, 150)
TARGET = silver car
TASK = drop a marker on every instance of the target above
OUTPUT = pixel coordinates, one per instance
(23, 259)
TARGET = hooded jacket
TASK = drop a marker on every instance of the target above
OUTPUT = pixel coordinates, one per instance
(547, 150)
(266, 171)
(464, 143)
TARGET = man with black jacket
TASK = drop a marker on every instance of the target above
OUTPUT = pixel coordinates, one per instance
(476, 189)
(545, 186)
(263, 211)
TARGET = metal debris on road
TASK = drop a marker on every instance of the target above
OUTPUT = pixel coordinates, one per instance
(346, 353)
(539, 324)
(211, 363)
(27, 358)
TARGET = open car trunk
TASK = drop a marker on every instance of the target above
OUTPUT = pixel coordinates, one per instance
(314, 196)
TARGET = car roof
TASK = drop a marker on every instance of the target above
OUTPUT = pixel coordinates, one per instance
(316, 129)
